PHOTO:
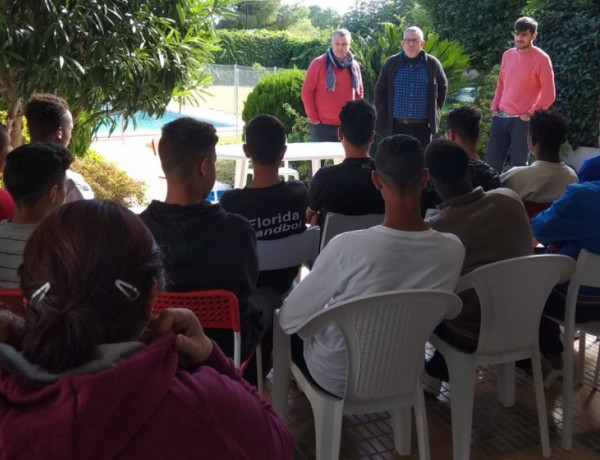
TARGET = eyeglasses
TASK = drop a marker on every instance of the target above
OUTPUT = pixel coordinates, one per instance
(414, 41)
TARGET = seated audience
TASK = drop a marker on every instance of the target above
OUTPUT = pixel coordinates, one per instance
(35, 176)
(462, 128)
(91, 374)
(49, 120)
(347, 188)
(570, 224)
(492, 226)
(274, 208)
(402, 253)
(546, 178)
(7, 205)
(204, 246)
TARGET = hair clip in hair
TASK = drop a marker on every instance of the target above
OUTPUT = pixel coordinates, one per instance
(40, 293)
(128, 290)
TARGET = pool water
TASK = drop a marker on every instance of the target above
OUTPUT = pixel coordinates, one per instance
(147, 123)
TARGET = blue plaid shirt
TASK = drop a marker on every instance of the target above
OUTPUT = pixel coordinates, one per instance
(411, 90)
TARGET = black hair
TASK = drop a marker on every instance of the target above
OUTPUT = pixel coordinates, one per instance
(265, 137)
(45, 113)
(548, 130)
(357, 120)
(448, 163)
(399, 160)
(526, 23)
(30, 170)
(465, 122)
(184, 141)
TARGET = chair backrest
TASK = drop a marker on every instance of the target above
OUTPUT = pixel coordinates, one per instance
(532, 208)
(289, 251)
(512, 294)
(385, 337)
(587, 273)
(216, 309)
(13, 299)
(339, 223)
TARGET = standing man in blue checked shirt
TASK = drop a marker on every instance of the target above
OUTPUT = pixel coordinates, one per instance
(410, 91)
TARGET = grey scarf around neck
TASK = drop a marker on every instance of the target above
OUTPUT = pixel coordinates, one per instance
(347, 63)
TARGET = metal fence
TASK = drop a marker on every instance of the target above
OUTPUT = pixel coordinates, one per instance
(231, 85)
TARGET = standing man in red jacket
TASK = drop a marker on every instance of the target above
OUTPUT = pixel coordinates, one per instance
(332, 79)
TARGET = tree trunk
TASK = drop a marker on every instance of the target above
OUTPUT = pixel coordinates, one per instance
(14, 123)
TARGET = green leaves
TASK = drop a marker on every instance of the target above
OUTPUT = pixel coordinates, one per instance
(570, 34)
(129, 55)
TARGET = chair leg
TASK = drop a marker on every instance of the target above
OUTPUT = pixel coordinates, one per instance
(597, 371)
(540, 399)
(506, 383)
(421, 422)
(568, 389)
(281, 367)
(259, 370)
(581, 367)
(328, 428)
(462, 388)
(401, 427)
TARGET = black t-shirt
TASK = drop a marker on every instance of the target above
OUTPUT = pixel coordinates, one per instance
(346, 188)
(274, 212)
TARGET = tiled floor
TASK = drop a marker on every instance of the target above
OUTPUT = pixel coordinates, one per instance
(498, 432)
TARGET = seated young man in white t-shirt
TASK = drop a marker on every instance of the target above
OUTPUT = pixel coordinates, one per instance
(546, 179)
(402, 253)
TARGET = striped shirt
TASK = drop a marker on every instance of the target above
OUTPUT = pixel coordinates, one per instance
(411, 97)
(12, 242)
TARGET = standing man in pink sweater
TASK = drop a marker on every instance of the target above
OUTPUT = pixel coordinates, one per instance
(525, 84)
(332, 79)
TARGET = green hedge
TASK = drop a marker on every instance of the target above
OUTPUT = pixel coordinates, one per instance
(571, 39)
(269, 48)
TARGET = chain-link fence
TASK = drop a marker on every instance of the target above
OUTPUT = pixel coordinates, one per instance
(230, 87)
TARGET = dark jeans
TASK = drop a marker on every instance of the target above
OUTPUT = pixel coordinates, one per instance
(297, 352)
(259, 306)
(420, 131)
(507, 133)
(587, 309)
(320, 132)
(436, 366)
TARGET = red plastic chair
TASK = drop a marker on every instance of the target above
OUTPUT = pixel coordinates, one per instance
(13, 299)
(533, 208)
(216, 309)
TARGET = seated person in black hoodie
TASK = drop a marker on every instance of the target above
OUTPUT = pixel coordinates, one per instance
(275, 209)
(204, 246)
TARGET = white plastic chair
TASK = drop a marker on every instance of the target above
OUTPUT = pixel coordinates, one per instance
(385, 336)
(284, 171)
(339, 223)
(587, 273)
(512, 294)
(289, 251)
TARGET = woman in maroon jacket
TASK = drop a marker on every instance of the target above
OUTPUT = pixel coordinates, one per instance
(91, 375)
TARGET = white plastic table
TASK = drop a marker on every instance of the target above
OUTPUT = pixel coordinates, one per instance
(301, 151)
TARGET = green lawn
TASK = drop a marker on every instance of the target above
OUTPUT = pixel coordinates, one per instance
(223, 98)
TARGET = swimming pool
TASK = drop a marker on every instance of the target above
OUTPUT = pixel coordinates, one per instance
(146, 123)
